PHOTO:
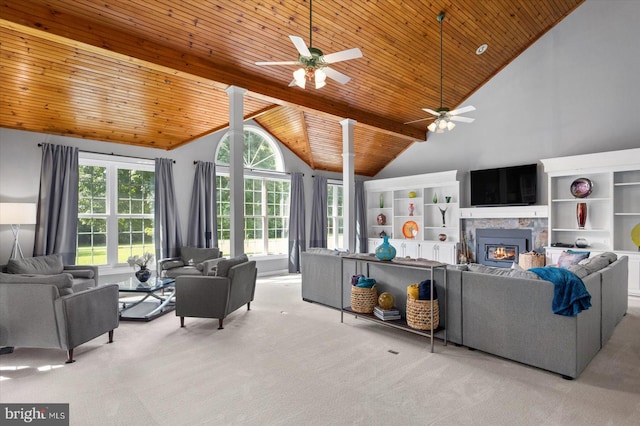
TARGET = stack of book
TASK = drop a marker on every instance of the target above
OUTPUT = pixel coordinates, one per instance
(386, 314)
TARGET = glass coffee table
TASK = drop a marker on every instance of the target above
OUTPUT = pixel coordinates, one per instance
(157, 298)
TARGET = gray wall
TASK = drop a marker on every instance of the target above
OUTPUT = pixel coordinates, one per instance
(574, 91)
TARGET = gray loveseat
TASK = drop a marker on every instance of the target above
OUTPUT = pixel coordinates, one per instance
(320, 269)
(44, 308)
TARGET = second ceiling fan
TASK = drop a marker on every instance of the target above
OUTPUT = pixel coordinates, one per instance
(314, 64)
(444, 117)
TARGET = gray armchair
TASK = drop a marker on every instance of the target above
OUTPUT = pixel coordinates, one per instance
(192, 261)
(43, 311)
(216, 296)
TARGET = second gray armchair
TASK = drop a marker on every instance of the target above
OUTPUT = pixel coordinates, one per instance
(216, 296)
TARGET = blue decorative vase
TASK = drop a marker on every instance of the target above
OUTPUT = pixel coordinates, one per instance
(143, 274)
(385, 251)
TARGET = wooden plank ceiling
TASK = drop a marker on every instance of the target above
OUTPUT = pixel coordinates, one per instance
(153, 73)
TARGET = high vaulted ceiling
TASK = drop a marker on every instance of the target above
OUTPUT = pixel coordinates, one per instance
(154, 73)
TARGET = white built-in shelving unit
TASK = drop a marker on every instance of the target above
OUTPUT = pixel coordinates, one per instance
(613, 207)
(418, 199)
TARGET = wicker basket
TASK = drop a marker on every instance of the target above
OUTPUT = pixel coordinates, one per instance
(363, 300)
(419, 314)
(531, 260)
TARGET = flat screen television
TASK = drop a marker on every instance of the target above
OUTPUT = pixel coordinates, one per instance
(504, 186)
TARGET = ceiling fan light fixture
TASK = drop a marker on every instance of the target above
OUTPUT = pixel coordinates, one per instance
(432, 127)
(320, 78)
(300, 77)
(451, 125)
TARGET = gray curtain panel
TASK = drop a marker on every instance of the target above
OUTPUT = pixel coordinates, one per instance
(57, 217)
(168, 236)
(318, 237)
(361, 218)
(203, 219)
(296, 222)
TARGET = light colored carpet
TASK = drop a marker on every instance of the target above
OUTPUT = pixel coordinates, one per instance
(289, 362)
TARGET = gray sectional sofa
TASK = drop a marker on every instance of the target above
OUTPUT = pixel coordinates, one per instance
(500, 311)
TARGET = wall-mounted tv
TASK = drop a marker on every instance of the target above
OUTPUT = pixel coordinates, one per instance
(504, 186)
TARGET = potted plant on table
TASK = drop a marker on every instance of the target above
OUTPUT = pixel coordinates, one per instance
(143, 274)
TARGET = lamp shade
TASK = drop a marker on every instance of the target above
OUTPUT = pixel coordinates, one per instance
(17, 213)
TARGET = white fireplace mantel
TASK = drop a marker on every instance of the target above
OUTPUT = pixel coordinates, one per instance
(504, 212)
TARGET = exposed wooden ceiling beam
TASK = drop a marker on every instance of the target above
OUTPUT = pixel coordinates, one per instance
(126, 47)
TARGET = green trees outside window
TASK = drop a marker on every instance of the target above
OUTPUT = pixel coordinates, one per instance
(115, 212)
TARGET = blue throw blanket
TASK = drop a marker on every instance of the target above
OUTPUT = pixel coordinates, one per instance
(570, 296)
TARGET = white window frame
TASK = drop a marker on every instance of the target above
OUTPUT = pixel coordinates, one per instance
(112, 164)
(338, 241)
(264, 175)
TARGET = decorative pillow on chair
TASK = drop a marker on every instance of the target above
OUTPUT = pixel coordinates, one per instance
(41, 265)
(224, 265)
(193, 255)
(567, 259)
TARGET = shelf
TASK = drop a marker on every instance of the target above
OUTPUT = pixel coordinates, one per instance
(381, 226)
(627, 214)
(578, 230)
(579, 200)
(400, 324)
(444, 228)
(627, 184)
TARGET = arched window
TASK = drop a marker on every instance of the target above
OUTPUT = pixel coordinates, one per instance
(266, 198)
(260, 151)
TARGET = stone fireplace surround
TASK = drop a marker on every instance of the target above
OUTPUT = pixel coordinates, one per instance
(538, 227)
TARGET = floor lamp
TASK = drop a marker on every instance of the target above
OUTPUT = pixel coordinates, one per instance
(16, 214)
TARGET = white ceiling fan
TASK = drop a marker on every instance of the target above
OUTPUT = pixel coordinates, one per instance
(444, 118)
(314, 64)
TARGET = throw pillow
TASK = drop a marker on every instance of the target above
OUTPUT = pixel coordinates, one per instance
(503, 272)
(567, 259)
(595, 263)
(224, 265)
(64, 282)
(578, 252)
(194, 255)
(579, 270)
(42, 265)
(517, 267)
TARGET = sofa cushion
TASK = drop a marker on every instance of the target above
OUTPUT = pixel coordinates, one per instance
(182, 270)
(42, 265)
(567, 259)
(64, 282)
(224, 265)
(170, 264)
(504, 272)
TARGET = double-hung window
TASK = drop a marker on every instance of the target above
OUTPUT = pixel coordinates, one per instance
(335, 222)
(266, 195)
(115, 209)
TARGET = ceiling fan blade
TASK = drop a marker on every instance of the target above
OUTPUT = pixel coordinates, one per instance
(336, 75)
(344, 55)
(422, 119)
(278, 63)
(302, 48)
(430, 111)
(461, 119)
(462, 110)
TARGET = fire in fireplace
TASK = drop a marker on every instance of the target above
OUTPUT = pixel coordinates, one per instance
(501, 247)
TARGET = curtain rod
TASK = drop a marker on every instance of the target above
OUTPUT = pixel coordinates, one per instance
(275, 172)
(115, 155)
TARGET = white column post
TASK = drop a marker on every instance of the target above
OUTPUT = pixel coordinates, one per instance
(236, 167)
(348, 185)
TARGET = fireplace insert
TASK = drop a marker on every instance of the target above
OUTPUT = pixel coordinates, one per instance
(501, 247)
